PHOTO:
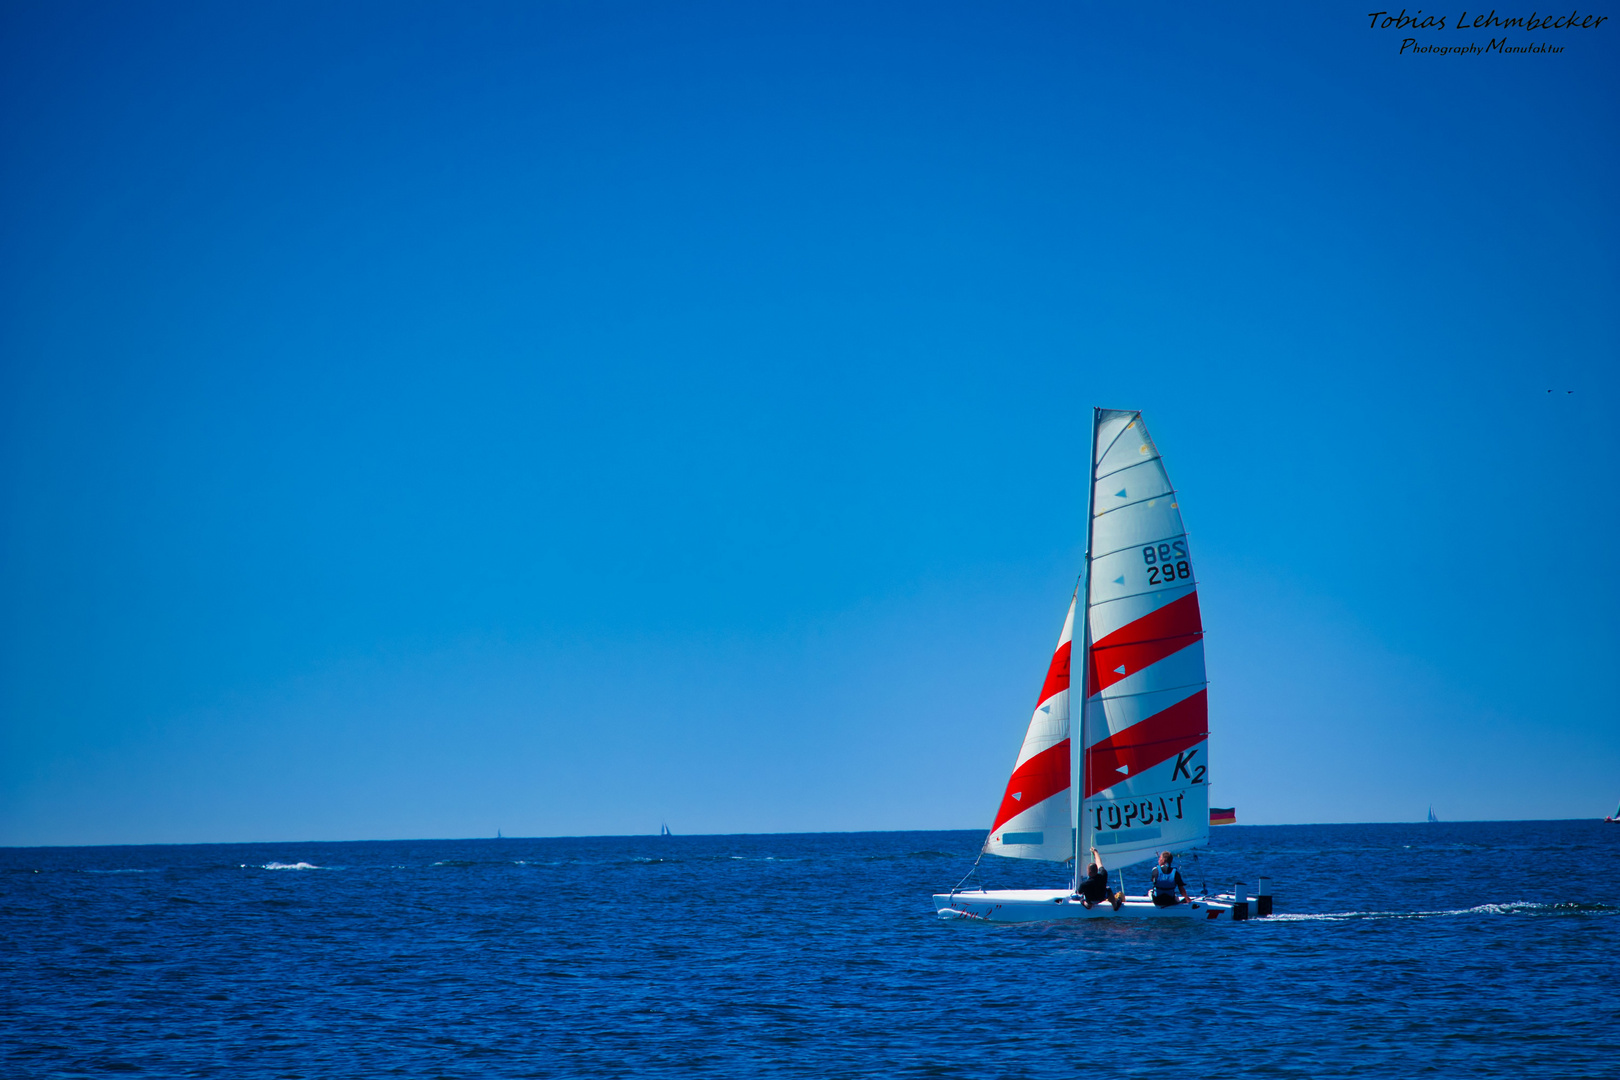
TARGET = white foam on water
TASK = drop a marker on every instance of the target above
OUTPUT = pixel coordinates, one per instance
(756, 858)
(288, 866)
(1515, 908)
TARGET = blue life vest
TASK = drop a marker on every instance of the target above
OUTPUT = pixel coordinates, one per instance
(1164, 882)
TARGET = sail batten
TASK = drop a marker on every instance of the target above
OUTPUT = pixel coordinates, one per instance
(1132, 547)
(1123, 469)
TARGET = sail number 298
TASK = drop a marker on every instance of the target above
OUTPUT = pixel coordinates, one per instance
(1166, 562)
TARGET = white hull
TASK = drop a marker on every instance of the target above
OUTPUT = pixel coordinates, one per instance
(1050, 905)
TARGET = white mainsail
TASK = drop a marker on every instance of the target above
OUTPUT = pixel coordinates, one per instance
(1145, 769)
(1033, 820)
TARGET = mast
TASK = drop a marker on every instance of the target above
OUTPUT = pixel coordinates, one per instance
(1079, 683)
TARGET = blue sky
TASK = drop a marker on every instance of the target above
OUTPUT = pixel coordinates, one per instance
(426, 419)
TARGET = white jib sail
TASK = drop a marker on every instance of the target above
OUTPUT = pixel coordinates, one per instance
(1033, 820)
(1146, 769)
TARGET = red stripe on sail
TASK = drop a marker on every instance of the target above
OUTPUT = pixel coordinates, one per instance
(1147, 743)
(1057, 676)
(1146, 641)
(1036, 780)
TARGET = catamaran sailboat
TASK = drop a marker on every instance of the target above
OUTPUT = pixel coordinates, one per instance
(1140, 783)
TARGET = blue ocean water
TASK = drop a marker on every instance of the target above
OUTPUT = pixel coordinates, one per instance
(1475, 949)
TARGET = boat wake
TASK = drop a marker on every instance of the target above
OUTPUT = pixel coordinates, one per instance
(1517, 908)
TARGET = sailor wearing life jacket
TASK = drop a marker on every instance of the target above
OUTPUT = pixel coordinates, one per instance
(1094, 889)
(1166, 880)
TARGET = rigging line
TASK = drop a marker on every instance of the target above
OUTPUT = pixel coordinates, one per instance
(1133, 465)
(1135, 418)
(971, 871)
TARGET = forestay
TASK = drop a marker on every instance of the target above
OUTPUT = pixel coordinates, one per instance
(1145, 770)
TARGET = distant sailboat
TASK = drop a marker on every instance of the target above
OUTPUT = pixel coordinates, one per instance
(1614, 818)
(1432, 819)
(665, 830)
(1139, 719)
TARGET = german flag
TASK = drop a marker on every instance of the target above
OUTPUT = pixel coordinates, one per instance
(1217, 816)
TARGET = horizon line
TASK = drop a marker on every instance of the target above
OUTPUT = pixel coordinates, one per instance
(674, 836)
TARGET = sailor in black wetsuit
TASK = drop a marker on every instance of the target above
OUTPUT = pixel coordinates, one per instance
(1094, 889)
(1166, 880)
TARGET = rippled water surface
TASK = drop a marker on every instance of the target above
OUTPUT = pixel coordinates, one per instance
(1476, 949)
